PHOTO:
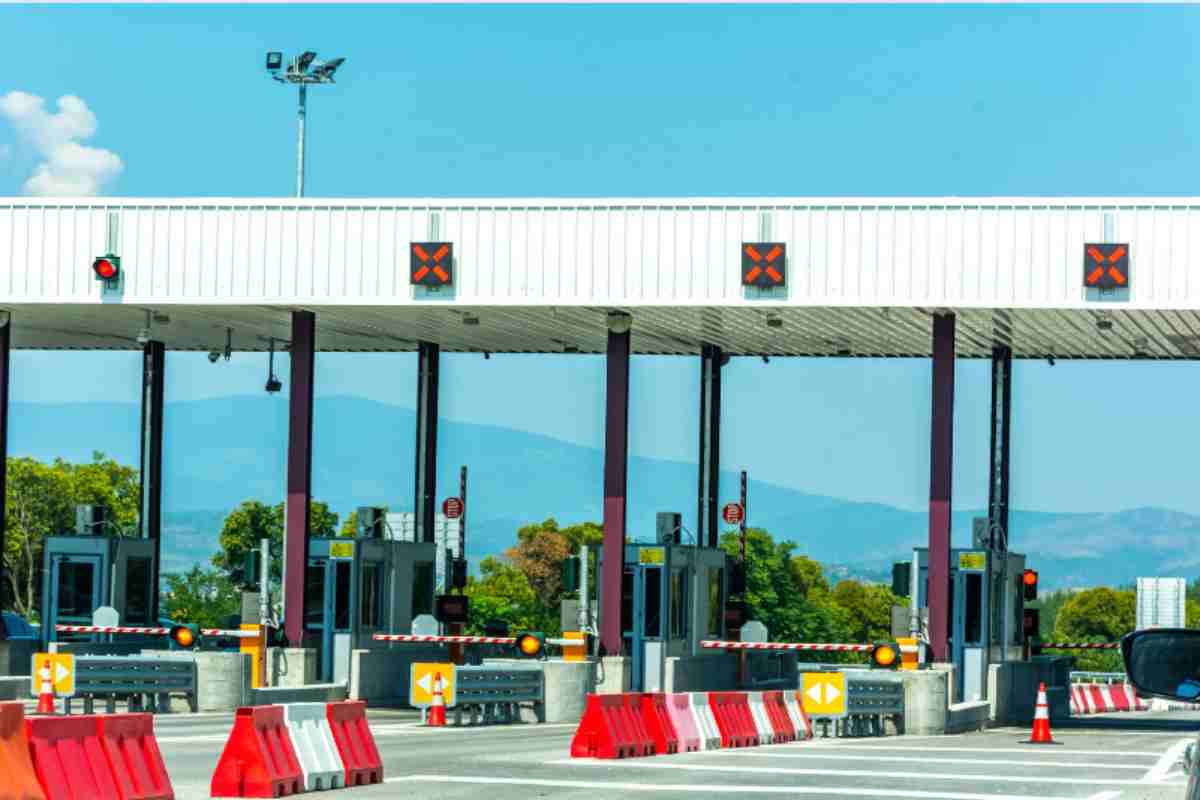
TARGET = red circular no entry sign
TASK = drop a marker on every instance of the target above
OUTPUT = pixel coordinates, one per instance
(452, 508)
(732, 513)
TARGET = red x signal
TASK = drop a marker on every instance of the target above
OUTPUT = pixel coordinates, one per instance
(1110, 265)
(762, 264)
(426, 263)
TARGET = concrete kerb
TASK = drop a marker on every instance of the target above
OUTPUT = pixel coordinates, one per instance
(312, 739)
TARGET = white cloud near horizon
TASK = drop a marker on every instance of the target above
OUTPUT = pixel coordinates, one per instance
(67, 167)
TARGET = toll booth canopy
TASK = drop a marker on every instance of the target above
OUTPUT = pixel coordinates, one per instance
(355, 588)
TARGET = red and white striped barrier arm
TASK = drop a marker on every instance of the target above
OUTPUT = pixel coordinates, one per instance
(111, 629)
(151, 631)
(414, 639)
(1081, 645)
(712, 644)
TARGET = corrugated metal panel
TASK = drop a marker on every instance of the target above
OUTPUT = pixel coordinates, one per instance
(902, 252)
(1161, 603)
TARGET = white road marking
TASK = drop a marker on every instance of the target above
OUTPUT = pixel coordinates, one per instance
(853, 773)
(933, 760)
(1104, 796)
(709, 788)
(1029, 751)
(423, 730)
(1166, 765)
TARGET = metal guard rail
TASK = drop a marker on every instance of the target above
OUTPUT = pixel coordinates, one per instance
(495, 693)
(135, 677)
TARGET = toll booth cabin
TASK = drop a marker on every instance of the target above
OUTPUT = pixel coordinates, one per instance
(672, 597)
(355, 588)
(986, 609)
(81, 573)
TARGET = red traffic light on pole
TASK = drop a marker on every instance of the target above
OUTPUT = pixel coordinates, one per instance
(107, 268)
(1029, 580)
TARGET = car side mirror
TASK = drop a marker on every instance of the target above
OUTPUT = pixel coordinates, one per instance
(1164, 662)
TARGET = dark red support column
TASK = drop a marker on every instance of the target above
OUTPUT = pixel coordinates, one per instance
(150, 487)
(425, 473)
(616, 451)
(941, 469)
(299, 477)
(1001, 439)
(708, 492)
(5, 345)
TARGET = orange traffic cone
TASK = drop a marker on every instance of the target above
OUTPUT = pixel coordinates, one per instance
(437, 709)
(1041, 720)
(46, 691)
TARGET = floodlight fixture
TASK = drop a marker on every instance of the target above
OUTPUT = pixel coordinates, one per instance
(298, 72)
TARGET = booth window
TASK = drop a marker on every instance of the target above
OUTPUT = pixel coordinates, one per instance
(716, 604)
(137, 591)
(341, 595)
(627, 601)
(678, 604)
(314, 595)
(973, 628)
(76, 587)
(422, 596)
(369, 609)
(653, 602)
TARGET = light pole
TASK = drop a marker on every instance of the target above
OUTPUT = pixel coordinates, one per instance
(301, 71)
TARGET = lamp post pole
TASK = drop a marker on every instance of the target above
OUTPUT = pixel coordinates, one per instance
(300, 114)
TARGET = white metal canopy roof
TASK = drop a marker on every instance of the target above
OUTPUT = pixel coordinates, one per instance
(864, 276)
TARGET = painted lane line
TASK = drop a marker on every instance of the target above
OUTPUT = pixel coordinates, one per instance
(1022, 750)
(1166, 765)
(1025, 751)
(1104, 796)
(849, 773)
(931, 760)
(709, 788)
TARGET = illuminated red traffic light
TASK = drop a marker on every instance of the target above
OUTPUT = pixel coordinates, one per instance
(1030, 580)
(107, 268)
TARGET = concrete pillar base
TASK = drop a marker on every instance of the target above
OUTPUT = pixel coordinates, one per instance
(615, 675)
(291, 667)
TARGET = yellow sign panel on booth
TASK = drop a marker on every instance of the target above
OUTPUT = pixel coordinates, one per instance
(823, 693)
(62, 673)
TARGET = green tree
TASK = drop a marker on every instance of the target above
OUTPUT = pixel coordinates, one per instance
(1048, 607)
(203, 597)
(502, 592)
(776, 597)
(1097, 615)
(252, 521)
(41, 500)
(539, 555)
(868, 610)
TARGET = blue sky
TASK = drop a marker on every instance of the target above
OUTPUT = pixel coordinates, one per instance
(675, 100)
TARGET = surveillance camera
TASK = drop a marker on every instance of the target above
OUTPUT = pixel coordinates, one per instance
(273, 385)
(213, 356)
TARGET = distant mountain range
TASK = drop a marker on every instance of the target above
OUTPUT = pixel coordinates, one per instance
(222, 451)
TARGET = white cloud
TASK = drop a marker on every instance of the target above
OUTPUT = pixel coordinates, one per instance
(67, 167)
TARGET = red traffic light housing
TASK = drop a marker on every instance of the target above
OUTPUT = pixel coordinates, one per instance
(107, 268)
(1029, 580)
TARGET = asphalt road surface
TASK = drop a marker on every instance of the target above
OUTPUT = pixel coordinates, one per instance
(1105, 757)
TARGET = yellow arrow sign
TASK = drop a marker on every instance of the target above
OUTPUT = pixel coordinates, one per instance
(425, 680)
(824, 694)
(60, 669)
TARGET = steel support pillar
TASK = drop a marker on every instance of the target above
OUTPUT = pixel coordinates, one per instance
(425, 473)
(150, 486)
(5, 346)
(941, 470)
(299, 473)
(1001, 434)
(709, 484)
(616, 470)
